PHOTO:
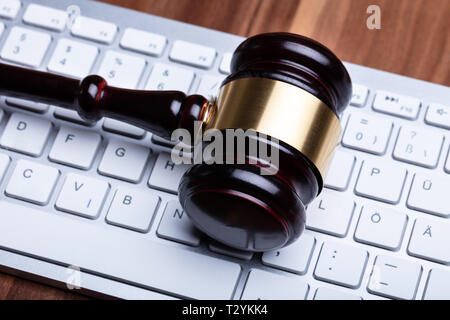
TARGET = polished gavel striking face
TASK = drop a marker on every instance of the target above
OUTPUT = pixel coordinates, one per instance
(285, 91)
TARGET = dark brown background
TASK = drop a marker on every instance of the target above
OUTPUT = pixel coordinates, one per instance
(414, 41)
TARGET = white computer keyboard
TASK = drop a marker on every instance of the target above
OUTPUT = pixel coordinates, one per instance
(102, 198)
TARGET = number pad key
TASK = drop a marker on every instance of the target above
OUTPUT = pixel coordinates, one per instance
(73, 58)
(367, 133)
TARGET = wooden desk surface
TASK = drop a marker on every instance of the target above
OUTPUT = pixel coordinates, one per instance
(414, 40)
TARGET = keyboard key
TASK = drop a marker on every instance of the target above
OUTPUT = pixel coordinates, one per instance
(341, 264)
(367, 133)
(359, 97)
(429, 240)
(330, 213)
(438, 285)
(438, 115)
(4, 164)
(27, 105)
(418, 146)
(331, 294)
(175, 225)
(340, 171)
(32, 182)
(25, 46)
(143, 42)
(447, 163)
(123, 160)
(209, 86)
(381, 227)
(293, 258)
(397, 105)
(429, 193)
(70, 115)
(9, 8)
(26, 133)
(82, 196)
(133, 209)
(73, 58)
(395, 278)
(123, 128)
(110, 252)
(163, 142)
(45, 17)
(193, 54)
(93, 29)
(75, 147)
(228, 251)
(225, 65)
(166, 175)
(263, 285)
(165, 77)
(121, 70)
(381, 180)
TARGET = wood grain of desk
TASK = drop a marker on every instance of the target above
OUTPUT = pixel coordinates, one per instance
(414, 40)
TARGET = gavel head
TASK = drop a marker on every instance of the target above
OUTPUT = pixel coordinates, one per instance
(286, 93)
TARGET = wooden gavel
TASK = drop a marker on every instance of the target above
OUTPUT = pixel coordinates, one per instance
(281, 86)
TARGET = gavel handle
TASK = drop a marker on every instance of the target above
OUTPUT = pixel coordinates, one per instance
(159, 112)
